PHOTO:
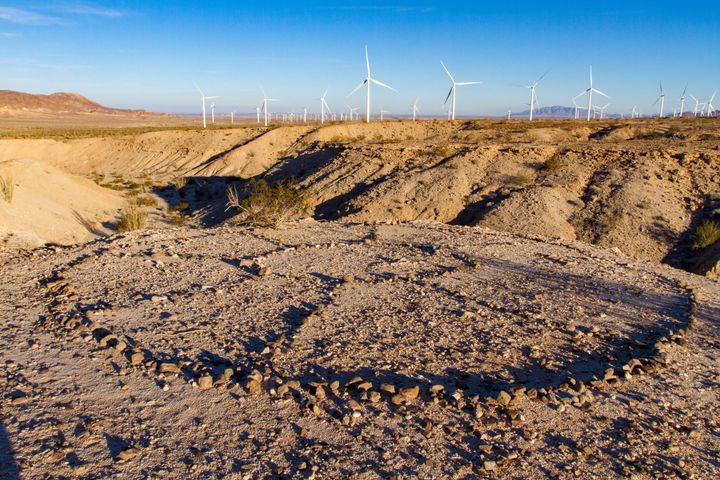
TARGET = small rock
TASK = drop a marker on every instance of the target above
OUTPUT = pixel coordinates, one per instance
(205, 382)
(168, 368)
(489, 465)
(411, 393)
(126, 455)
(503, 398)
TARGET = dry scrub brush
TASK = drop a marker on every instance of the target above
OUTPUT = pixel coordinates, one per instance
(7, 188)
(263, 205)
(132, 218)
(706, 235)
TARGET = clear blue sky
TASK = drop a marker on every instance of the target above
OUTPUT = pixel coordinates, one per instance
(148, 54)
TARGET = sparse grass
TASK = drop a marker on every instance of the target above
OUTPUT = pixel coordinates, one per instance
(179, 183)
(441, 150)
(146, 201)
(706, 235)
(522, 179)
(7, 188)
(263, 205)
(181, 207)
(551, 164)
(132, 218)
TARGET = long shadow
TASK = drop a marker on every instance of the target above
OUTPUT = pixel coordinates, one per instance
(9, 469)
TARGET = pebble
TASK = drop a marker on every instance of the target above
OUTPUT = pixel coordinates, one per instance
(126, 455)
(503, 398)
(205, 382)
(411, 393)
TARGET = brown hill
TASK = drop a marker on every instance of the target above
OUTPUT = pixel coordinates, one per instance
(57, 103)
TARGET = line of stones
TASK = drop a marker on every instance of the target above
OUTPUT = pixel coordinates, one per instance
(311, 395)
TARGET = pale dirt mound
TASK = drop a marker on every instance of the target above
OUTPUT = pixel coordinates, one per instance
(355, 351)
(50, 205)
(165, 154)
(254, 157)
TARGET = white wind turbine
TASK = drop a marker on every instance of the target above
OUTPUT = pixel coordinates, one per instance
(710, 107)
(509, 113)
(602, 110)
(589, 92)
(415, 110)
(533, 94)
(453, 90)
(577, 109)
(634, 113)
(265, 101)
(212, 113)
(323, 106)
(682, 101)
(661, 100)
(204, 99)
(368, 80)
(382, 113)
(697, 105)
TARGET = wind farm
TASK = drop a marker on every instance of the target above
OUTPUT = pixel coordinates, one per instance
(356, 240)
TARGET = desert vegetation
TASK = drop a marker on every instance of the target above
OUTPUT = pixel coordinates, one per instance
(7, 188)
(264, 205)
(132, 218)
(706, 235)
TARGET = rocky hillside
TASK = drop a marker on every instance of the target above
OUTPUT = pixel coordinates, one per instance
(56, 103)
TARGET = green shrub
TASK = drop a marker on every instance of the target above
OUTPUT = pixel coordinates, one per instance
(7, 188)
(263, 205)
(132, 218)
(706, 235)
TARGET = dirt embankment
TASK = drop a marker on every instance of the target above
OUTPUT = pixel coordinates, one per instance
(639, 186)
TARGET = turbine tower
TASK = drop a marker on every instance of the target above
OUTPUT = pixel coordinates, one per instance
(368, 80)
(589, 92)
(204, 99)
(453, 90)
(212, 113)
(265, 105)
(661, 100)
(710, 106)
(682, 101)
(323, 106)
(415, 110)
(533, 94)
(382, 113)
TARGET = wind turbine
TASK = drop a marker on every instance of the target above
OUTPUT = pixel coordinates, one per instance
(710, 107)
(634, 113)
(533, 94)
(265, 104)
(509, 113)
(382, 113)
(589, 91)
(577, 108)
(602, 110)
(204, 98)
(415, 109)
(257, 111)
(323, 106)
(368, 80)
(212, 113)
(682, 101)
(661, 100)
(453, 90)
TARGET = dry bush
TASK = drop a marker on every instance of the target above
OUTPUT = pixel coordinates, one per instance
(132, 218)
(706, 235)
(179, 183)
(522, 179)
(146, 201)
(551, 164)
(263, 205)
(7, 188)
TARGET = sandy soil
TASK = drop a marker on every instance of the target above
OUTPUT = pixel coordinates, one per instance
(329, 350)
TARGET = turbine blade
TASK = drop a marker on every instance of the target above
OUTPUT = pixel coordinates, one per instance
(542, 76)
(367, 61)
(198, 89)
(449, 93)
(378, 82)
(600, 93)
(447, 71)
(468, 83)
(358, 87)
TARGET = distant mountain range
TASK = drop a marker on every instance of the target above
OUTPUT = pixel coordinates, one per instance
(56, 103)
(559, 111)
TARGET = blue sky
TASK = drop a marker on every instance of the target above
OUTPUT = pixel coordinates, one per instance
(148, 54)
